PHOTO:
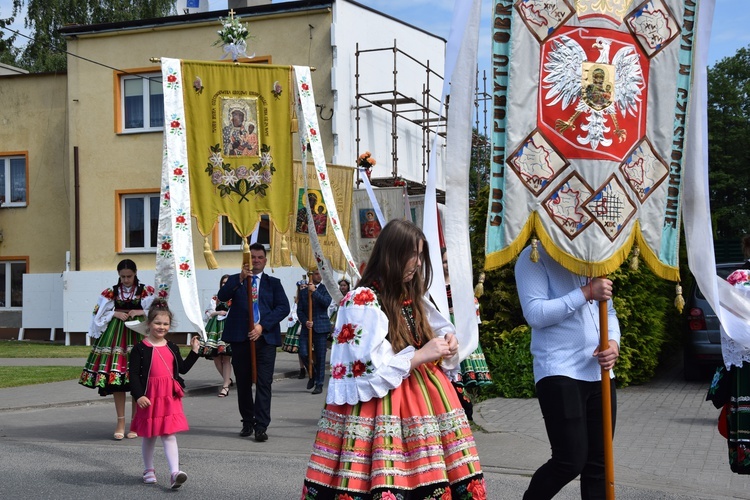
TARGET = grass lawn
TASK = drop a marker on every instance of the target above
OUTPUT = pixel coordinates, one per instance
(15, 376)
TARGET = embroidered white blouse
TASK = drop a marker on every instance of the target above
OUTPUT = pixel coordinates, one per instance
(105, 308)
(363, 362)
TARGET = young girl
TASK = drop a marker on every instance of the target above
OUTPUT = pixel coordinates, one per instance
(155, 365)
(214, 347)
(107, 366)
(393, 426)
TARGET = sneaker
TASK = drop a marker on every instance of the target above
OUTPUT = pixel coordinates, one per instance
(177, 479)
(149, 477)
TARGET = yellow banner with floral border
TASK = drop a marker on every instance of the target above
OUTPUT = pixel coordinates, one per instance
(295, 240)
(239, 142)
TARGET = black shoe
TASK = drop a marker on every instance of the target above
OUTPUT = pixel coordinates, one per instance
(246, 431)
(302, 373)
(310, 384)
(261, 436)
(318, 389)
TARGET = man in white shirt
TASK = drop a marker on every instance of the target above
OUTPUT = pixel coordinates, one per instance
(563, 312)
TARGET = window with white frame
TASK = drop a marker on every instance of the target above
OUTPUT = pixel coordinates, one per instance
(142, 102)
(140, 221)
(230, 240)
(13, 181)
(11, 283)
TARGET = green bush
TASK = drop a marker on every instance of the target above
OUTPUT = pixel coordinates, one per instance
(508, 355)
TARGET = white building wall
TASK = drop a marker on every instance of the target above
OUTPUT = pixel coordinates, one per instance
(67, 300)
(351, 24)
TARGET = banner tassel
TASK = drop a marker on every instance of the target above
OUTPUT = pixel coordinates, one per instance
(286, 259)
(295, 122)
(679, 301)
(208, 255)
(634, 262)
(479, 289)
(534, 250)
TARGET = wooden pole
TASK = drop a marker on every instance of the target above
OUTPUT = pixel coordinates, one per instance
(309, 330)
(246, 260)
(609, 461)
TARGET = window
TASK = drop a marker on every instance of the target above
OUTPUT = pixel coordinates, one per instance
(230, 240)
(13, 181)
(139, 220)
(142, 102)
(11, 283)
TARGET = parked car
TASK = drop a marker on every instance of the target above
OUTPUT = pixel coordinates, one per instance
(702, 348)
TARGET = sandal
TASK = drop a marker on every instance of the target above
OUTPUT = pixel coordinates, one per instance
(224, 392)
(149, 477)
(132, 435)
(119, 436)
(231, 382)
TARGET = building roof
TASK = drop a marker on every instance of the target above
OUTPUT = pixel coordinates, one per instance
(199, 17)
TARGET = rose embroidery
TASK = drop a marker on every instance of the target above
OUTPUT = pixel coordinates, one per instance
(338, 371)
(364, 297)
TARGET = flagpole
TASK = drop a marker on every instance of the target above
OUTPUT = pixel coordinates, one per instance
(309, 330)
(251, 316)
(609, 461)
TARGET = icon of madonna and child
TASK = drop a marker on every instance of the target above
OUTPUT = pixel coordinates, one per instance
(239, 133)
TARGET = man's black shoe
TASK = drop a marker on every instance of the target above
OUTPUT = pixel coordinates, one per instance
(261, 436)
(302, 373)
(318, 389)
(310, 383)
(246, 431)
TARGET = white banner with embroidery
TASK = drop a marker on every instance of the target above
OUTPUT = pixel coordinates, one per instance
(589, 129)
(309, 133)
(175, 254)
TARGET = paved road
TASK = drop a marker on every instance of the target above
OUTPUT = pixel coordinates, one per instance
(55, 442)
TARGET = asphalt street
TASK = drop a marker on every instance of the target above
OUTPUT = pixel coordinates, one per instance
(56, 442)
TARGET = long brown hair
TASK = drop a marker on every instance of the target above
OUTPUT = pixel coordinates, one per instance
(397, 243)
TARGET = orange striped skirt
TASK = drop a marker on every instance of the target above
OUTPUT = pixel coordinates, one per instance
(413, 443)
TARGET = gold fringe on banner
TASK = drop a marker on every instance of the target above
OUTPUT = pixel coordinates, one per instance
(208, 255)
(679, 300)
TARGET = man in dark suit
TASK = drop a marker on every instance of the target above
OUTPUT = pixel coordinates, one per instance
(320, 325)
(272, 308)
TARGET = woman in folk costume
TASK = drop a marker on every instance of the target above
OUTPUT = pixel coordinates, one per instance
(393, 426)
(215, 348)
(106, 368)
(474, 372)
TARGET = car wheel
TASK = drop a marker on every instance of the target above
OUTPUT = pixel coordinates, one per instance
(691, 371)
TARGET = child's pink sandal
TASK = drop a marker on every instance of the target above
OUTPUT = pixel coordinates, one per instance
(149, 477)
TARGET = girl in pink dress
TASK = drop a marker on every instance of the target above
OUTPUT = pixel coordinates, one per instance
(157, 388)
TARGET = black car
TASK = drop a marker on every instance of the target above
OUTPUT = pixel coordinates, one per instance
(702, 351)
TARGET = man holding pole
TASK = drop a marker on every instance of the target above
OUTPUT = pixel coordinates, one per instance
(312, 311)
(562, 309)
(254, 339)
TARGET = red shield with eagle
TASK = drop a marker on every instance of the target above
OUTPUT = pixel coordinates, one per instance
(593, 93)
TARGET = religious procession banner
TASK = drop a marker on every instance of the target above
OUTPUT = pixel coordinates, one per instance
(365, 226)
(238, 121)
(296, 239)
(227, 151)
(590, 116)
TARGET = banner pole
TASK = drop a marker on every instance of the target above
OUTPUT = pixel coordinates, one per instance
(609, 461)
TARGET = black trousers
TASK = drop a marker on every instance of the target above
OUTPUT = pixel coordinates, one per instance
(572, 411)
(255, 413)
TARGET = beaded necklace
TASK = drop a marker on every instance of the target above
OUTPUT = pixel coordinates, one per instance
(407, 311)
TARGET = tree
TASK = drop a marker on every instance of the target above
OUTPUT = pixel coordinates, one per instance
(729, 144)
(45, 51)
(8, 51)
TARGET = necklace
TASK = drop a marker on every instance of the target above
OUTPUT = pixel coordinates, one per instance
(407, 311)
(126, 297)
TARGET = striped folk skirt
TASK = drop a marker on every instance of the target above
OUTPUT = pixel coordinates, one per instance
(738, 420)
(413, 443)
(106, 367)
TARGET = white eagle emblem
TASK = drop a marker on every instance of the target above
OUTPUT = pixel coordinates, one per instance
(598, 89)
